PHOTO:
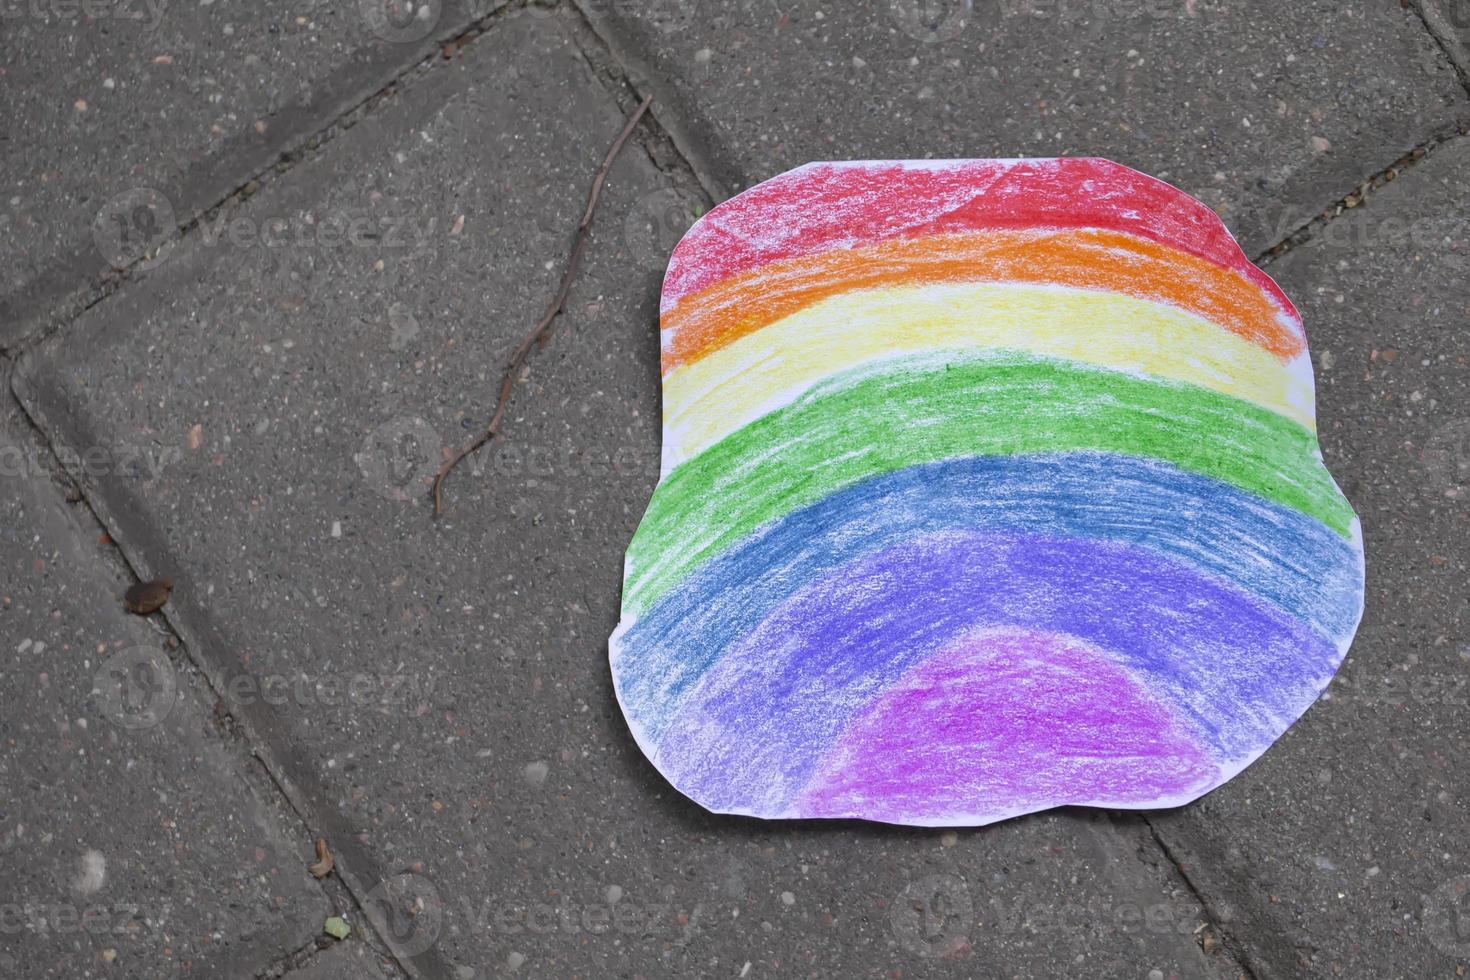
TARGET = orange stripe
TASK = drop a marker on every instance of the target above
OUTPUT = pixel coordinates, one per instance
(1089, 259)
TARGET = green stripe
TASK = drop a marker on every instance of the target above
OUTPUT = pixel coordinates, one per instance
(917, 410)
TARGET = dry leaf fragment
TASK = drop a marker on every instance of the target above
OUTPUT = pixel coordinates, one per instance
(324, 862)
(147, 598)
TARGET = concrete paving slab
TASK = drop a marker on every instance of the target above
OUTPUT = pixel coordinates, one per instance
(1345, 851)
(1450, 21)
(438, 691)
(123, 118)
(130, 842)
(1243, 105)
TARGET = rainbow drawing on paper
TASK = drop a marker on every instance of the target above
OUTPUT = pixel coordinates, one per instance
(988, 486)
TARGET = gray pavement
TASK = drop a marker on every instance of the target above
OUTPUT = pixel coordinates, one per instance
(1267, 112)
(125, 120)
(253, 410)
(132, 842)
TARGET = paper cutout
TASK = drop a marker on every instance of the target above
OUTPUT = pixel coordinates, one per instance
(989, 486)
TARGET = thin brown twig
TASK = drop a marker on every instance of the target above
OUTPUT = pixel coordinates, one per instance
(538, 334)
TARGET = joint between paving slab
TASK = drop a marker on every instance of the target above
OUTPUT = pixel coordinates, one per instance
(1228, 942)
(1357, 197)
(50, 322)
(240, 728)
(1458, 52)
(659, 147)
(251, 767)
(294, 960)
(638, 79)
(303, 958)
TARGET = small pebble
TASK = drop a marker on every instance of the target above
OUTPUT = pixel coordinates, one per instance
(536, 773)
(515, 961)
(787, 898)
(146, 598)
(614, 894)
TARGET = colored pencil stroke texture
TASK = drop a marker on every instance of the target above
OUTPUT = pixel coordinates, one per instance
(989, 486)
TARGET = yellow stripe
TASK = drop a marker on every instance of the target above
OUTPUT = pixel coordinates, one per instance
(731, 387)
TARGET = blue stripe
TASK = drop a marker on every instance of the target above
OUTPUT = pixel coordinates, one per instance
(1236, 670)
(1272, 552)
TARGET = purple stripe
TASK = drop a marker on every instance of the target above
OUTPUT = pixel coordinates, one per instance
(1237, 670)
(1008, 722)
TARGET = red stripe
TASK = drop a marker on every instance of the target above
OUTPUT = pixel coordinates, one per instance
(825, 206)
